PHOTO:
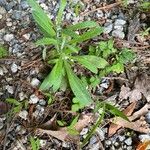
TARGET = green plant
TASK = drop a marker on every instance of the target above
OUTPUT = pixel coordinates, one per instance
(145, 32)
(145, 5)
(64, 54)
(3, 51)
(35, 143)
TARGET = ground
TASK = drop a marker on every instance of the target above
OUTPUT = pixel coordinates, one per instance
(23, 70)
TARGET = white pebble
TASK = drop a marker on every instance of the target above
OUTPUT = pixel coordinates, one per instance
(26, 36)
(120, 22)
(33, 99)
(10, 89)
(9, 24)
(1, 71)
(128, 141)
(144, 137)
(1, 16)
(14, 68)
(35, 82)
(23, 114)
(118, 33)
(8, 37)
(44, 6)
(84, 131)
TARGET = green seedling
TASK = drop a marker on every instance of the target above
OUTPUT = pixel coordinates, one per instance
(35, 143)
(3, 52)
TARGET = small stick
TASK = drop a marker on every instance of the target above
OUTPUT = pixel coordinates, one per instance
(100, 8)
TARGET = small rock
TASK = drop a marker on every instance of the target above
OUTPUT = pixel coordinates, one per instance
(65, 144)
(95, 146)
(118, 27)
(17, 15)
(147, 117)
(1, 16)
(14, 68)
(22, 96)
(8, 37)
(144, 137)
(42, 102)
(44, 6)
(35, 82)
(99, 14)
(118, 33)
(27, 36)
(128, 141)
(43, 143)
(68, 16)
(23, 114)
(108, 28)
(93, 140)
(121, 138)
(2, 10)
(107, 142)
(84, 131)
(120, 22)
(1, 71)
(33, 99)
(100, 133)
(24, 4)
(10, 89)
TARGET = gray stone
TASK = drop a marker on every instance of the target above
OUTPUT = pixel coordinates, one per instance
(17, 15)
(24, 4)
(128, 141)
(120, 22)
(10, 89)
(14, 68)
(121, 138)
(144, 137)
(42, 102)
(10, 5)
(118, 33)
(23, 114)
(108, 28)
(1, 71)
(35, 82)
(118, 27)
(8, 37)
(33, 99)
(99, 14)
(147, 117)
(93, 140)
(2, 10)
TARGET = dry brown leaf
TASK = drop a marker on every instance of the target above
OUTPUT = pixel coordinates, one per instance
(4, 108)
(136, 126)
(62, 134)
(141, 86)
(143, 146)
(114, 127)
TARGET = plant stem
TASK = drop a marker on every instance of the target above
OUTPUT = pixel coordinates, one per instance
(93, 128)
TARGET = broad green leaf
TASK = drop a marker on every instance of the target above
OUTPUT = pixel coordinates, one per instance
(77, 87)
(61, 10)
(71, 49)
(70, 33)
(91, 62)
(35, 143)
(41, 18)
(93, 32)
(13, 101)
(46, 41)
(83, 25)
(115, 111)
(54, 78)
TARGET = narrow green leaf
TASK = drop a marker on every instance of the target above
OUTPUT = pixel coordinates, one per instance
(93, 32)
(77, 87)
(3, 52)
(13, 101)
(83, 25)
(41, 18)
(61, 10)
(91, 62)
(46, 41)
(54, 78)
(71, 49)
(115, 111)
(70, 33)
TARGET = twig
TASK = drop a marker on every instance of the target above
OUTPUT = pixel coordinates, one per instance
(100, 8)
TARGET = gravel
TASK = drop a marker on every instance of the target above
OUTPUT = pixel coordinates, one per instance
(35, 82)
(117, 33)
(128, 141)
(14, 68)
(33, 99)
(8, 37)
(23, 114)
(147, 117)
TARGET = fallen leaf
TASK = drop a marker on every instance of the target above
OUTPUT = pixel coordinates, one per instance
(143, 146)
(114, 127)
(62, 134)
